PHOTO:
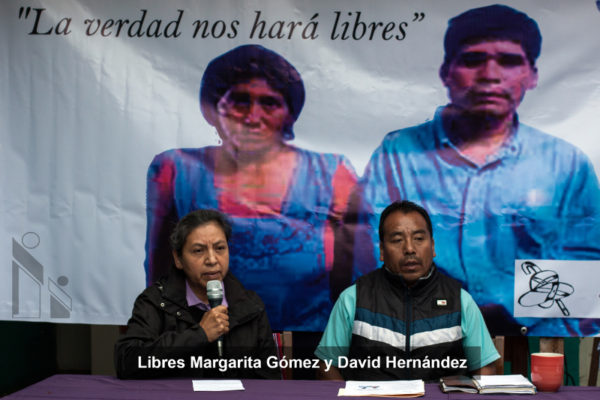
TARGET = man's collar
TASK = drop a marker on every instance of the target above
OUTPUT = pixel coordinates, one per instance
(418, 283)
(510, 148)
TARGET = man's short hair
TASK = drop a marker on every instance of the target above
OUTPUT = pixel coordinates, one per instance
(193, 220)
(404, 207)
(491, 22)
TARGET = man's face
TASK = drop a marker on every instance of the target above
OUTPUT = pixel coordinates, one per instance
(490, 77)
(407, 247)
(205, 256)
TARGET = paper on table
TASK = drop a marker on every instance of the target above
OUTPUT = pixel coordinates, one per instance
(383, 388)
(217, 385)
(517, 384)
(503, 380)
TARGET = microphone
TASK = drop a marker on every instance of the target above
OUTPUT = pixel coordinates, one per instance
(214, 292)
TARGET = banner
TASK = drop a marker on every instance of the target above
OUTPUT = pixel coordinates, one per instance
(105, 144)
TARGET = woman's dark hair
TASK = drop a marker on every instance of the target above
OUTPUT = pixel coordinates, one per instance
(193, 220)
(243, 64)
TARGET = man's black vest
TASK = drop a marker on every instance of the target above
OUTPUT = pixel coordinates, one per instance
(414, 332)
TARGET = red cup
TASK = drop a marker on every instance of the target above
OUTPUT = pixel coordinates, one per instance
(547, 371)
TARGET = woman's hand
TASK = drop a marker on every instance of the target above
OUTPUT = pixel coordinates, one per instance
(215, 323)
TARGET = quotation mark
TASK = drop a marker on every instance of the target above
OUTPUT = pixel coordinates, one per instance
(418, 17)
(27, 11)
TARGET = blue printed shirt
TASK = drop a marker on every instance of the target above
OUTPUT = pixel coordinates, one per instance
(536, 198)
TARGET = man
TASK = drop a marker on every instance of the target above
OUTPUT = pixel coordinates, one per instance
(405, 311)
(496, 189)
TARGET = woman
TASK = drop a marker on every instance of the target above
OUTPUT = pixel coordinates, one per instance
(285, 203)
(172, 319)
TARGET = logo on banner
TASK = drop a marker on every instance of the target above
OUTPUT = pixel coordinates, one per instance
(28, 287)
(545, 289)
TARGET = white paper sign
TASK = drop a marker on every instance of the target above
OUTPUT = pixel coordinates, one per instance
(557, 289)
(382, 388)
(217, 385)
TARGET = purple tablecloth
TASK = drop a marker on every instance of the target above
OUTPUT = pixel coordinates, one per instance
(104, 387)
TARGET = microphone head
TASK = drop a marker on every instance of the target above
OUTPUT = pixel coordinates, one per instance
(214, 291)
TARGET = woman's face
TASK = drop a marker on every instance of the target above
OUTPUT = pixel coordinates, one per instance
(252, 116)
(205, 256)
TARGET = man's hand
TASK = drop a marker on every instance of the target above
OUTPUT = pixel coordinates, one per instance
(333, 374)
(489, 369)
(215, 323)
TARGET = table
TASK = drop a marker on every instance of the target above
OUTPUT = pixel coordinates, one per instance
(105, 387)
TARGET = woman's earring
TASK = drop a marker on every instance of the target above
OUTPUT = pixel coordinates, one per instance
(218, 138)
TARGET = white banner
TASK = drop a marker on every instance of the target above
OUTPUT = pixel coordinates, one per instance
(557, 289)
(91, 91)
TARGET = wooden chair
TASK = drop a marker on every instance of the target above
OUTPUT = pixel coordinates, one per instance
(499, 344)
(516, 350)
(595, 359)
(552, 345)
(283, 343)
